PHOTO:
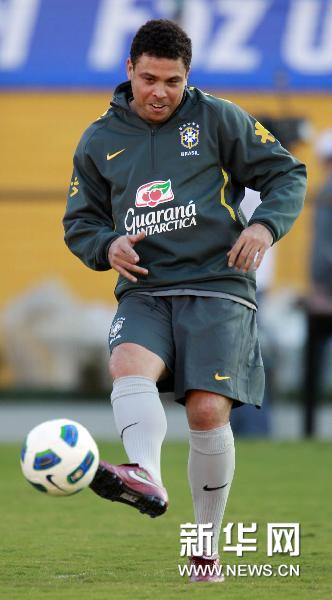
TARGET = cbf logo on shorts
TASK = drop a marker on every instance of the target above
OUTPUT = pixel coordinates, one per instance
(115, 328)
(153, 193)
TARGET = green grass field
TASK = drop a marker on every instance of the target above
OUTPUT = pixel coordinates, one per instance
(83, 547)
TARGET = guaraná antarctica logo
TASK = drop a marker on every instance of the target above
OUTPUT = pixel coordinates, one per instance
(153, 193)
(162, 220)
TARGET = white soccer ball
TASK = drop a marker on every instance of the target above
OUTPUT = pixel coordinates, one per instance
(59, 457)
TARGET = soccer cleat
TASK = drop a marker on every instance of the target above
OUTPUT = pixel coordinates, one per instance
(130, 484)
(205, 569)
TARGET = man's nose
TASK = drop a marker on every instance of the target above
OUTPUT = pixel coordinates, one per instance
(159, 91)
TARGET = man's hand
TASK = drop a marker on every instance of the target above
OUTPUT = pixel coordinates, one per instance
(249, 249)
(123, 258)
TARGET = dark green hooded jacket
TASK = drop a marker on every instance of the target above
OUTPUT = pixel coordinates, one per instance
(182, 182)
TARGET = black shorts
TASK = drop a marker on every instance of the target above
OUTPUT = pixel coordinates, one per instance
(206, 343)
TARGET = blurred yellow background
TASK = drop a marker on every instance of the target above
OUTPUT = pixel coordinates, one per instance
(39, 134)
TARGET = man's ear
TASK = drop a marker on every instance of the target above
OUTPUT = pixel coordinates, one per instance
(130, 68)
(187, 76)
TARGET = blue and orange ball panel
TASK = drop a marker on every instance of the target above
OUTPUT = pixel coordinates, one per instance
(82, 469)
(69, 434)
(45, 460)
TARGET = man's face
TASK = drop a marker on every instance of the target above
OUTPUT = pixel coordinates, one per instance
(158, 85)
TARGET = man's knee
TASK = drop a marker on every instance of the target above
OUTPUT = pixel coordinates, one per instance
(206, 410)
(132, 359)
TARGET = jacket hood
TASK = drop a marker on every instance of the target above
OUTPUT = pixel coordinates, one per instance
(123, 94)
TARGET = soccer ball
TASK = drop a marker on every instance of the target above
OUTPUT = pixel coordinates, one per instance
(59, 457)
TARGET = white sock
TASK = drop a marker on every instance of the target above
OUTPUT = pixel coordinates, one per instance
(140, 420)
(211, 465)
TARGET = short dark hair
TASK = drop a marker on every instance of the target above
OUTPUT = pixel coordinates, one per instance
(161, 38)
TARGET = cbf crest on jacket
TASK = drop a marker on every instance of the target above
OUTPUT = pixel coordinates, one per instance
(181, 182)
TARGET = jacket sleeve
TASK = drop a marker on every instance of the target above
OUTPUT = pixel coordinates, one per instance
(88, 222)
(256, 159)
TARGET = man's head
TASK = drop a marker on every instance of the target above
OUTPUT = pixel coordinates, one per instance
(158, 67)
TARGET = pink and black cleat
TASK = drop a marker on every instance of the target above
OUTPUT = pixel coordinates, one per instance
(130, 484)
(204, 569)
